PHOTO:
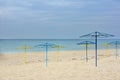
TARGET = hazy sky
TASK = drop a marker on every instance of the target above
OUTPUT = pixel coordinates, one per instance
(58, 18)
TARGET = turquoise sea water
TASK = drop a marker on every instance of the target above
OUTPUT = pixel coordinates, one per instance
(11, 45)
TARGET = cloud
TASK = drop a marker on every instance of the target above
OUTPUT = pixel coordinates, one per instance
(61, 3)
(56, 10)
(67, 3)
(10, 7)
(15, 2)
(33, 8)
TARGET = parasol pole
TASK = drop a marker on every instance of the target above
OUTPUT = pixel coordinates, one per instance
(116, 50)
(96, 55)
(46, 55)
(58, 54)
(86, 52)
(107, 49)
(25, 56)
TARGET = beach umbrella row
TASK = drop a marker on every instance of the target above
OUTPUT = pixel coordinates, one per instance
(46, 46)
(96, 35)
(85, 43)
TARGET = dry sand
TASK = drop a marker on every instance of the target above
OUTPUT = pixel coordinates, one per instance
(72, 66)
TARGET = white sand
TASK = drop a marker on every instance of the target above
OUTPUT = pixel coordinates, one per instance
(72, 66)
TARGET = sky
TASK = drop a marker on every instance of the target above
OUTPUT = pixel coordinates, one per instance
(58, 19)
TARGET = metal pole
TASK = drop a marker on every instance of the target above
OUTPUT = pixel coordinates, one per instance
(96, 55)
(46, 55)
(116, 50)
(25, 56)
(107, 49)
(86, 53)
(58, 54)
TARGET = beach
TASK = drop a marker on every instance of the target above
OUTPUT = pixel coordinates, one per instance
(70, 66)
(59, 40)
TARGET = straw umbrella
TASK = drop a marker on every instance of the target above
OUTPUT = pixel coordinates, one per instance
(58, 49)
(86, 43)
(25, 47)
(96, 35)
(46, 45)
(116, 43)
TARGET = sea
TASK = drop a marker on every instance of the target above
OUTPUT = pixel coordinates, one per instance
(14, 45)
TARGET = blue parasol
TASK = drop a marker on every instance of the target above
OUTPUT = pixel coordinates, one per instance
(96, 35)
(86, 43)
(116, 43)
(46, 45)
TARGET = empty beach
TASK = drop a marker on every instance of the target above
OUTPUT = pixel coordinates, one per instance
(70, 66)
